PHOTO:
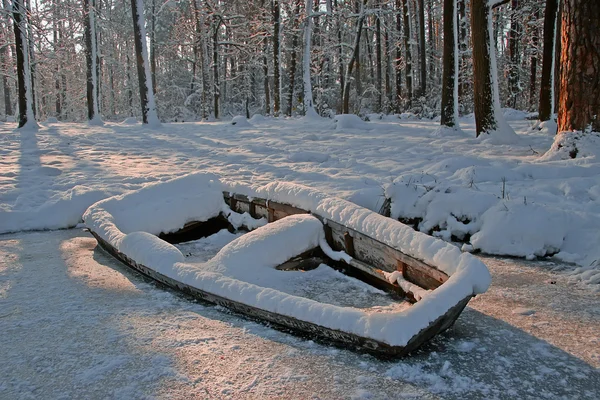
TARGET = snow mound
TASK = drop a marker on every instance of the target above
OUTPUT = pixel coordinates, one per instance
(576, 144)
(130, 121)
(257, 118)
(51, 120)
(520, 229)
(510, 114)
(62, 210)
(240, 121)
(349, 121)
(243, 269)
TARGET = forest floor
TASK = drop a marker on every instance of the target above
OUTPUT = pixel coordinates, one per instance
(75, 321)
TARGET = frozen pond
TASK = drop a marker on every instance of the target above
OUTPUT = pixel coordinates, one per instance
(74, 321)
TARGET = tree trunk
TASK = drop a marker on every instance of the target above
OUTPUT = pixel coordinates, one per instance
(398, 59)
(408, 60)
(91, 59)
(153, 44)
(485, 120)
(449, 82)
(546, 84)
(26, 115)
(276, 75)
(534, 59)
(309, 108)
(293, 60)
(216, 83)
(462, 48)
(422, 48)
(513, 50)
(353, 60)
(5, 62)
(378, 62)
(144, 75)
(579, 99)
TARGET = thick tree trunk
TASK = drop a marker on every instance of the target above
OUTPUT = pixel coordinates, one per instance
(485, 120)
(545, 105)
(422, 48)
(276, 75)
(144, 75)
(25, 95)
(579, 99)
(449, 81)
(91, 59)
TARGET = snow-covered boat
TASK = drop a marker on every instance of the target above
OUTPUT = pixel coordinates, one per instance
(292, 229)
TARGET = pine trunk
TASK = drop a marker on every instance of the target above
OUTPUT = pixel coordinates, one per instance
(408, 59)
(579, 99)
(276, 75)
(24, 76)
(545, 105)
(422, 48)
(449, 90)
(485, 120)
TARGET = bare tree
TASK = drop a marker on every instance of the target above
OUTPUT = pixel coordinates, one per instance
(545, 106)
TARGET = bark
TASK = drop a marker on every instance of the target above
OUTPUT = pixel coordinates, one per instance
(293, 60)
(449, 89)
(144, 76)
(422, 48)
(25, 96)
(353, 60)
(533, 60)
(55, 48)
(153, 44)
(513, 50)
(545, 104)
(398, 59)
(579, 99)
(557, 52)
(462, 48)
(5, 61)
(379, 65)
(408, 59)
(90, 57)
(276, 75)
(485, 120)
(216, 83)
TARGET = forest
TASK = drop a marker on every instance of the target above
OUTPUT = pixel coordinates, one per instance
(209, 59)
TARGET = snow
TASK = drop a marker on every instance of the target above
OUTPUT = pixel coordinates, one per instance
(243, 270)
(446, 184)
(240, 121)
(130, 339)
(349, 121)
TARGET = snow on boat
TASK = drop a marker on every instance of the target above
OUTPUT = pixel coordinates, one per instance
(411, 286)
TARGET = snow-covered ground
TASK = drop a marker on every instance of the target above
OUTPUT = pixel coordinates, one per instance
(512, 199)
(73, 320)
(76, 323)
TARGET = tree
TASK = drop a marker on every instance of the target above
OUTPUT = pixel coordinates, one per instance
(546, 85)
(579, 96)
(488, 114)
(91, 54)
(24, 76)
(276, 75)
(449, 76)
(143, 66)
(408, 59)
(422, 52)
(309, 108)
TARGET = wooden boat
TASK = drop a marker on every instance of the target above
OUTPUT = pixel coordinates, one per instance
(437, 299)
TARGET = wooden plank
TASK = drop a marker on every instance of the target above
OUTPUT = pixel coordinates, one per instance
(386, 258)
(349, 244)
(363, 247)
